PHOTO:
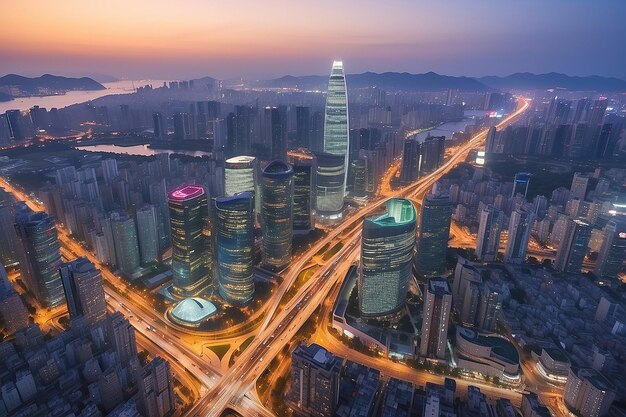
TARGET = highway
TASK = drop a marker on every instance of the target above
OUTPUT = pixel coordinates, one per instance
(277, 332)
(279, 326)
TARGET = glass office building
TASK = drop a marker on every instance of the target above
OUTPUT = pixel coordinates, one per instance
(387, 249)
(434, 232)
(234, 238)
(330, 177)
(39, 256)
(191, 258)
(277, 214)
(241, 175)
(336, 128)
(302, 162)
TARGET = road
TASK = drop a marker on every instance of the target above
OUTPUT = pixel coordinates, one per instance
(279, 325)
(276, 332)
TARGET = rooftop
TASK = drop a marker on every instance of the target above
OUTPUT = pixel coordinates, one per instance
(499, 346)
(187, 192)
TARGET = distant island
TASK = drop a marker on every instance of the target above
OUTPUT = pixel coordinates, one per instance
(13, 86)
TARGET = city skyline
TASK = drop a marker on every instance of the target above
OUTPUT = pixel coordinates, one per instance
(142, 39)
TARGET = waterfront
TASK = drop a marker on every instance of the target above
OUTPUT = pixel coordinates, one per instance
(74, 97)
(142, 150)
(448, 129)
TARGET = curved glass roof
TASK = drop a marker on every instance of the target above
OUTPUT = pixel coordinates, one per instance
(193, 310)
(399, 211)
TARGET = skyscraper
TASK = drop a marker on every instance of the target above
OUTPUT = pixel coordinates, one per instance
(156, 389)
(579, 186)
(182, 127)
(314, 381)
(489, 229)
(234, 237)
(191, 258)
(336, 128)
(613, 250)
(520, 184)
(277, 214)
(302, 162)
(433, 152)
(147, 226)
(84, 290)
(436, 317)
(330, 177)
(411, 161)
(274, 132)
(126, 243)
(573, 247)
(387, 259)
(434, 232)
(240, 175)
(159, 127)
(39, 256)
(122, 336)
(12, 309)
(520, 225)
(303, 127)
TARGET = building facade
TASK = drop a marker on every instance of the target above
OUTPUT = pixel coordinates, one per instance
(234, 241)
(387, 248)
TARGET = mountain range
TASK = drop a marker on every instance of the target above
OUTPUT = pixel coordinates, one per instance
(430, 81)
(13, 85)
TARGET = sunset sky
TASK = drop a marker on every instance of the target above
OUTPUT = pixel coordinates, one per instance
(266, 38)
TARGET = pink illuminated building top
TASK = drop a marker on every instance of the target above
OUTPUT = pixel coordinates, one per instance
(187, 192)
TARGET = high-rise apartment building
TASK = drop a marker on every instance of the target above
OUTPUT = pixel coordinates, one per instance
(122, 336)
(520, 226)
(613, 250)
(386, 265)
(12, 309)
(432, 153)
(588, 393)
(489, 230)
(156, 389)
(436, 318)
(315, 376)
(411, 161)
(579, 186)
(573, 247)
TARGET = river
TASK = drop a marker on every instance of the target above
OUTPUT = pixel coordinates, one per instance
(448, 129)
(74, 97)
(142, 150)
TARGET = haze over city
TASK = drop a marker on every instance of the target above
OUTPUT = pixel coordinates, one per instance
(313, 209)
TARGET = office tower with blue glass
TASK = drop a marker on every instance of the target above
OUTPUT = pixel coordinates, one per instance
(84, 290)
(234, 244)
(302, 162)
(434, 232)
(191, 258)
(277, 214)
(387, 249)
(336, 125)
(124, 233)
(330, 177)
(39, 256)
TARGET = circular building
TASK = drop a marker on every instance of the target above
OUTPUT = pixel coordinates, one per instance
(192, 311)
